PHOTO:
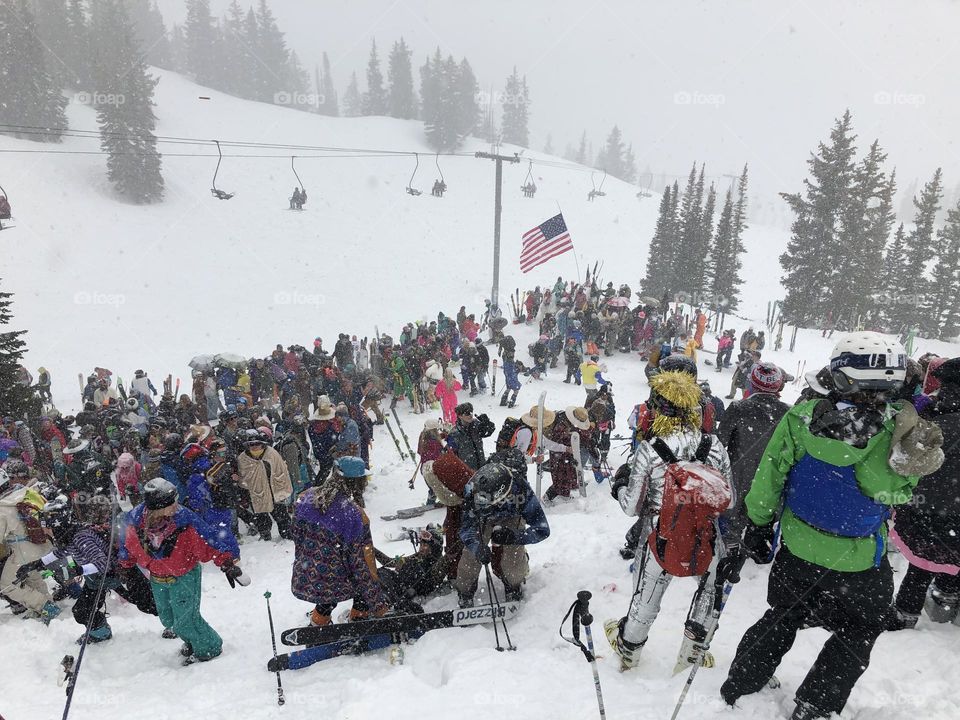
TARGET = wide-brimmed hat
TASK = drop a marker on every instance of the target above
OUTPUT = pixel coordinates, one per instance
(324, 409)
(530, 419)
(578, 417)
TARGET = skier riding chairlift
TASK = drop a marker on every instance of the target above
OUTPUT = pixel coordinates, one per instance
(597, 191)
(529, 187)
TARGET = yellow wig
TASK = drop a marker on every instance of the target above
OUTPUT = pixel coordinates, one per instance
(675, 402)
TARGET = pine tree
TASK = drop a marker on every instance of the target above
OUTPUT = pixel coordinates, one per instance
(149, 32)
(661, 255)
(688, 270)
(706, 237)
(236, 54)
(15, 399)
(515, 103)
(352, 101)
(610, 158)
(201, 42)
(277, 78)
(548, 145)
(53, 32)
(724, 265)
(124, 93)
(464, 98)
(581, 156)
(329, 104)
(402, 100)
(945, 288)
(920, 249)
(178, 49)
(375, 99)
(813, 250)
(29, 96)
(629, 165)
(74, 53)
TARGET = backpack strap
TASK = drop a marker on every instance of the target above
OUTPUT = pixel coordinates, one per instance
(703, 449)
(664, 451)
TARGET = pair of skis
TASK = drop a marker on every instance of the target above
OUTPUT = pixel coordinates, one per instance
(396, 441)
(351, 638)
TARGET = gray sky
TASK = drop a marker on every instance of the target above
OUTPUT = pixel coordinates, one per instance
(721, 81)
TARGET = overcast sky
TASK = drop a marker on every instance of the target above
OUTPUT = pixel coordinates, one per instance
(721, 81)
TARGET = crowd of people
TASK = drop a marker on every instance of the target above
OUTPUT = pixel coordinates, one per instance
(135, 482)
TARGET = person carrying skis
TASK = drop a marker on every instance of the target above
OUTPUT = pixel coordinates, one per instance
(333, 554)
(499, 508)
(831, 471)
(564, 477)
(170, 542)
(675, 457)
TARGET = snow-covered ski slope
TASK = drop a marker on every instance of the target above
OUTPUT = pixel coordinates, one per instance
(198, 275)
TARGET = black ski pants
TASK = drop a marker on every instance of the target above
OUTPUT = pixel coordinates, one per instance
(130, 584)
(913, 589)
(851, 605)
(281, 514)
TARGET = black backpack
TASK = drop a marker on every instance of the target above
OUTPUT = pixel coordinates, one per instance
(510, 427)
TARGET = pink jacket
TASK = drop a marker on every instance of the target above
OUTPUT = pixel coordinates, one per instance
(127, 474)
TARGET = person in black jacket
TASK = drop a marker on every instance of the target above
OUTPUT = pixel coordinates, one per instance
(745, 429)
(928, 528)
(467, 435)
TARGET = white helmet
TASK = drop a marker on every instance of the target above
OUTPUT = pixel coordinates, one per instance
(867, 361)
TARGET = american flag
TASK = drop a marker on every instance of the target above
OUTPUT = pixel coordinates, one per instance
(543, 242)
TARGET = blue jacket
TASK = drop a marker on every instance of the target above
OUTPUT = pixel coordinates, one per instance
(199, 498)
(522, 497)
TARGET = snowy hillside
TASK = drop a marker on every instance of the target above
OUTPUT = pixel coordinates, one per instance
(102, 283)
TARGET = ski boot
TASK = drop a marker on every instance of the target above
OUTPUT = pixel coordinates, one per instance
(513, 399)
(513, 593)
(692, 649)
(899, 620)
(186, 650)
(806, 711)
(941, 607)
(15, 607)
(97, 635)
(169, 634)
(629, 652)
(465, 600)
(316, 619)
(48, 612)
(191, 659)
(503, 398)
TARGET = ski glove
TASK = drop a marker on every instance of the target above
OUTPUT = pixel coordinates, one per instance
(503, 536)
(728, 569)
(484, 555)
(758, 543)
(234, 574)
(620, 480)
(25, 570)
(915, 448)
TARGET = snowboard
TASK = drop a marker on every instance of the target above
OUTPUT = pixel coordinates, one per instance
(412, 512)
(407, 624)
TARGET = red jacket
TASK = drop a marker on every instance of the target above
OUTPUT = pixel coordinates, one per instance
(188, 549)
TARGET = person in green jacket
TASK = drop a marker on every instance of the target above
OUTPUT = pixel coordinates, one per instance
(830, 474)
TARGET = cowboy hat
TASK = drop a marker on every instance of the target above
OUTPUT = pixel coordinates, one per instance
(530, 419)
(578, 417)
(324, 409)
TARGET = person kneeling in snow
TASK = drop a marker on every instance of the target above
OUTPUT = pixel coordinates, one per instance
(334, 558)
(499, 508)
(683, 474)
(170, 542)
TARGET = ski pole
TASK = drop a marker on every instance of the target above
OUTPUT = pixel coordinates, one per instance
(273, 639)
(580, 610)
(497, 609)
(718, 606)
(496, 633)
(493, 380)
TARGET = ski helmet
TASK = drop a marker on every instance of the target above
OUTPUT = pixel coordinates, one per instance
(173, 442)
(867, 361)
(57, 515)
(159, 493)
(252, 436)
(681, 363)
(491, 486)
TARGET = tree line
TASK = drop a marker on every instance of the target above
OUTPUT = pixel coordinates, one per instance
(694, 257)
(846, 265)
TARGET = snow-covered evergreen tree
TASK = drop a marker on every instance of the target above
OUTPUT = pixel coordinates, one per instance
(375, 98)
(124, 104)
(402, 98)
(661, 256)
(330, 103)
(352, 100)
(201, 43)
(724, 265)
(516, 112)
(15, 399)
(29, 95)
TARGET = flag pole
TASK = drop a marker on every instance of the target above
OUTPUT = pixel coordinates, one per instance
(559, 210)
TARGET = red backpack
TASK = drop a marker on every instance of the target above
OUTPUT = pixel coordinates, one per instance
(694, 495)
